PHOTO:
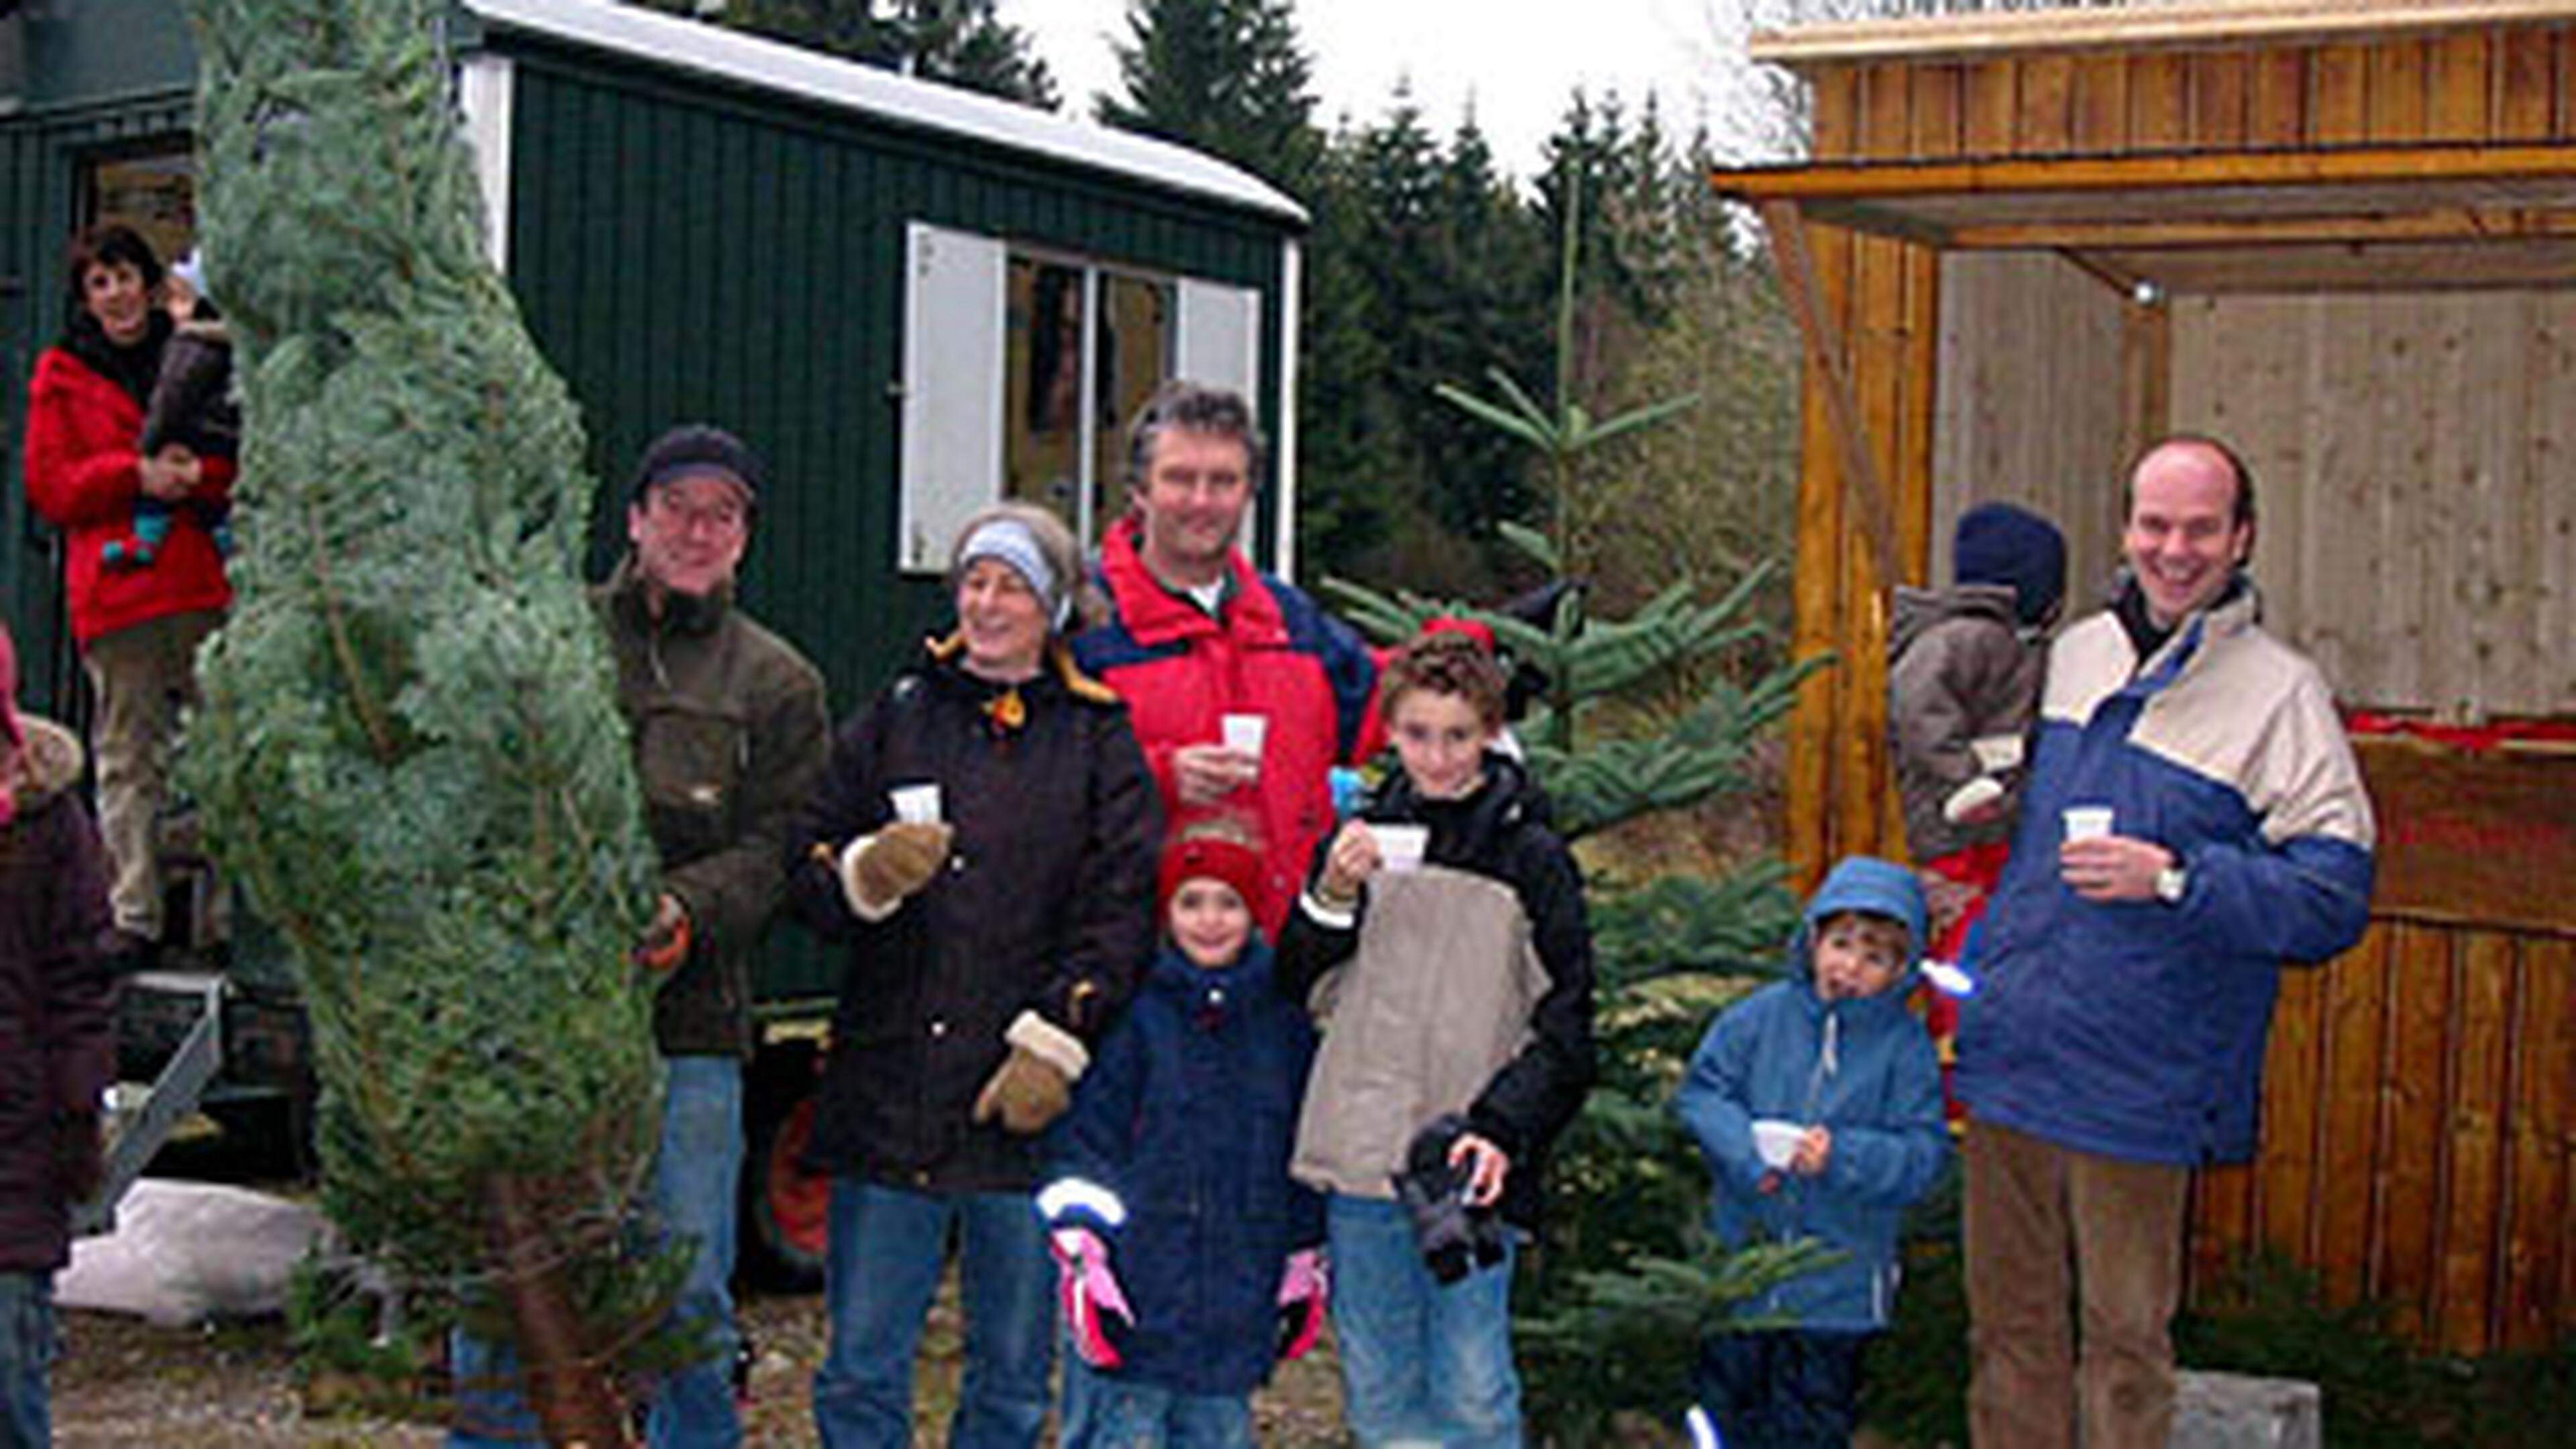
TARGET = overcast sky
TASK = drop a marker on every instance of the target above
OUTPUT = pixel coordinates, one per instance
(1515, 61)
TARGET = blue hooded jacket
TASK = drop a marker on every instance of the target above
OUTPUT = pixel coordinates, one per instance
(1187, 1115)
(1864, 1069)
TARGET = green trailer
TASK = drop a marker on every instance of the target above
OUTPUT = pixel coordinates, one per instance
(911, 299)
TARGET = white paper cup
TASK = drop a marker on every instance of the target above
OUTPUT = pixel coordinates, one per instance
(1776, 1140)
(1996, 753)
(915, 804)
(1244, 733)
(1400, 847)
(2087, 822)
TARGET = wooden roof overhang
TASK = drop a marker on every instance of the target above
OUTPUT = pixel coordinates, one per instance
(2398, 217)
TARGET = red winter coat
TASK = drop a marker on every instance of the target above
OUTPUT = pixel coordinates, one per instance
(81, 476)
(1274, 653)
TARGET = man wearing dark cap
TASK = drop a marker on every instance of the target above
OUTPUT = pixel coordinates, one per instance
(730, 729)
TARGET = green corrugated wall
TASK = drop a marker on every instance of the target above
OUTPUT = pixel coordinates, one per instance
(683, 250)
(688, 251)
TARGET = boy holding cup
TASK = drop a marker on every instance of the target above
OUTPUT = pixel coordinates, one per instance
(1817, 1102)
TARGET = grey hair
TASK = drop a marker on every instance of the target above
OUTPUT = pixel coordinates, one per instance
(1196, 408)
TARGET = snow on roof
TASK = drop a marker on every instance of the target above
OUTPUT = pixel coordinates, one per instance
(749, 60)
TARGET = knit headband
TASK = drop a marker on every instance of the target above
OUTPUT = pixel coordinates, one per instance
(1012, 542)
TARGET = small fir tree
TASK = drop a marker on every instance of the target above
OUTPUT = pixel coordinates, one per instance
(409, 751)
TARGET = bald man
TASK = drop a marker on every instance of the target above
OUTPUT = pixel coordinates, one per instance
(2193, 820)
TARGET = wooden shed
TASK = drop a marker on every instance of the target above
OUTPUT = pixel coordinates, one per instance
(2342, 235)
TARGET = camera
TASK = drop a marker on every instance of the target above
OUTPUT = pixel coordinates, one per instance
(1455, 1239)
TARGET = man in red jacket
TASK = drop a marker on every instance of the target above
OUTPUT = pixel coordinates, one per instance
(137, 613)
(1200, 643)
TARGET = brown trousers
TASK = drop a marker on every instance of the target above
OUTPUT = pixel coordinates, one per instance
(2074, 1271)
(142, 676)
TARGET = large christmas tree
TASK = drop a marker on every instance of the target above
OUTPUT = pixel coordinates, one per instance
(409, 750)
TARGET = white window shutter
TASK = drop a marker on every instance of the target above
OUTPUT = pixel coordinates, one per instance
(1220, 337)
(953, 362)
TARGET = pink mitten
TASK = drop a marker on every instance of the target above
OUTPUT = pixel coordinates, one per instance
(1305, 1293)
(1088, 1293)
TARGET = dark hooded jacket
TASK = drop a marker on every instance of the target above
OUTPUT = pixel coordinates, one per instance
(1959, 672)
(1046, 904)
(1463, 986)
(57, 1043)
(729, 727)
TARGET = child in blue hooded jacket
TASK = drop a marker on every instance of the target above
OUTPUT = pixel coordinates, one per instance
(1817, 1102)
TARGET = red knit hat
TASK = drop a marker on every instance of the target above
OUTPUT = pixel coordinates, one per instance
(1212, 857)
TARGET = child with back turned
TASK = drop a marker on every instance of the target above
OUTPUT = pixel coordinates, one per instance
(1817, 1103)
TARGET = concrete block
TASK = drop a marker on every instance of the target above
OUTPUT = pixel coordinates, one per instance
(2233, 1411)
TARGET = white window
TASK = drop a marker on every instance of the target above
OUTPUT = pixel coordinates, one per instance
(1022, 367)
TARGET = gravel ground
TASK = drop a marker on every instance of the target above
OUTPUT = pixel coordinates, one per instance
(123, 1382)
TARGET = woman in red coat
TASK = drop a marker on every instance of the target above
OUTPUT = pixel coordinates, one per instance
(141, 601)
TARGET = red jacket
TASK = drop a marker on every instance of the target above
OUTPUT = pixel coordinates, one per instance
(81, 476)
(1274, 653)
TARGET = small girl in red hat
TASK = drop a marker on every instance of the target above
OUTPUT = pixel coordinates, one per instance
(1189, 1262)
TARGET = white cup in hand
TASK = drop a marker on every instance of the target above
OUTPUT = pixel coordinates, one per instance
(1400, 847)
(2087, 822)
(1775, 1141)
(1244, 734)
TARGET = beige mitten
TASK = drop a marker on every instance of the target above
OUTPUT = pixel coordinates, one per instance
(880, 870)
(1034, 1085)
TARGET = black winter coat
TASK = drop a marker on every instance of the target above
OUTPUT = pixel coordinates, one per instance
(728, 722)
(57, 1047)
(1046, 904)
(1500, 832)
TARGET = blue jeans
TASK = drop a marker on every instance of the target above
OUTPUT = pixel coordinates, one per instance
(888, 1248)
(1422, 1362)
(26, 1355)
(694, 1182)
(1105, 1411)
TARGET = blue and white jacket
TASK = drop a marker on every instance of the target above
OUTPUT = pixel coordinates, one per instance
(2135, 1029)
(1864, 1069)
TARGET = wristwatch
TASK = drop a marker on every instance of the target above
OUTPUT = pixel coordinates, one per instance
(2171, 882)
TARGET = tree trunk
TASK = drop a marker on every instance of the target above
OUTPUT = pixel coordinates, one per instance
(567, 1384)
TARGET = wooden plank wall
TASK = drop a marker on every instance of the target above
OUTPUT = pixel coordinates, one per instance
(1880, 299)
(2416, 1144)
(2500, 83)
(2417, 455)
(2032, 390)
